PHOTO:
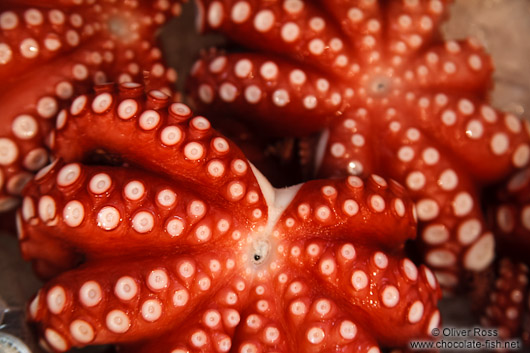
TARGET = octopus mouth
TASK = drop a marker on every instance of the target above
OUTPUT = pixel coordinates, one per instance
(380, 86)
(260, 251)
(121, 29)
(117, 26)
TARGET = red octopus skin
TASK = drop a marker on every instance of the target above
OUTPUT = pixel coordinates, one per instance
(393, 98)
(187, 247)
(509, 213)
(506, 305)
(51, 51)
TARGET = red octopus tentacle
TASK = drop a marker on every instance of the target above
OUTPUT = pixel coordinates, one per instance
(156, 74)
(142, 63)
(362, 23)
(505, 307)
(49, 256)
(209, 329)
(29, 115)
(372, 212)
(109, 207)
(48, 54)
(348, 146)
(129, 23)
(32, 110)
(31, 37)
(393, 299)
(272, 94)
(509, 213)
(313, 322)
(454, 66)
(261, 255)
(50, 3)
(172, 142)
(134, 300)
(262, 324)
(293, 27)
(453, 237)
(475, 133)
(413, 25)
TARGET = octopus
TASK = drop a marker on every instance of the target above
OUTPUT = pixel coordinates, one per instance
(505, 305)
(179, 244)
(52, 51)
(508, 307)
(389, 96)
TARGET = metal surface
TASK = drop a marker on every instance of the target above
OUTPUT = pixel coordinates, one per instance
(11, 344)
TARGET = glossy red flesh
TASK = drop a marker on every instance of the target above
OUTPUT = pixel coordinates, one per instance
(54, 51)
(407, 105)
(304, 269)
(509, 212)
(507, 308)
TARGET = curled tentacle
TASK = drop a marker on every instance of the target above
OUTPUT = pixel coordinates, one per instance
(211, 242)
(92, 305)
(52, 52)
(173, 142)
(275, 93)
(294, 27)
(397, 73)
(390, 297)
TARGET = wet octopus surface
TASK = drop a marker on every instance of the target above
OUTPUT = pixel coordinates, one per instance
(187, 247)
(506, 304)
(236, 282)
(392, 96)
(52, 51)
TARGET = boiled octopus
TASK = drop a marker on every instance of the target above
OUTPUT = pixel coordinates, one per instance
(503, 304)
(391, 97)
(179, 244)
(52, 51)
(508, 305)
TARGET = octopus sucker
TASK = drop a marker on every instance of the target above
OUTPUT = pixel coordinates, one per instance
(389, 95)
(505, 307)
(230, 267)
(50, 53)
(159, 228)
